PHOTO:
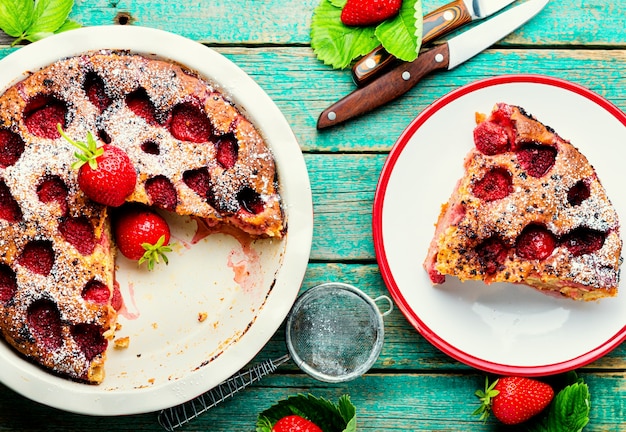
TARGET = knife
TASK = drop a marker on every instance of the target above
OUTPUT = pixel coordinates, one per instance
(447, 55)
(440, 22)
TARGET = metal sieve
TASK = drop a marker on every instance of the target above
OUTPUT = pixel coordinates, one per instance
(334, 333)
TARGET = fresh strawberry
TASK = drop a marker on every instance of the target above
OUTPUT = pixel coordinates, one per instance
(369, 12)
(142, 234)
(514, 400)
(105, 174)
(295, 423)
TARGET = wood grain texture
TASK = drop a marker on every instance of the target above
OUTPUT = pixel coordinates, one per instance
(413, 386)
(407, 402)
(287, 22)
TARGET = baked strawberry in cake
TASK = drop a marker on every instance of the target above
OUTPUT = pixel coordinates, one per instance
(192, 150)
(530, 210)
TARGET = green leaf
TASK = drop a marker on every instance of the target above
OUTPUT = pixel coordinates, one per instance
(348, 413)
(568, 412)
(334, 43)
(402, 36)
(16, 16)
(325, 414)
(68, 25)
(49, 15)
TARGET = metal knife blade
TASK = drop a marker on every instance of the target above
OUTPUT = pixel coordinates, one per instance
(437, 23)
(445, 56)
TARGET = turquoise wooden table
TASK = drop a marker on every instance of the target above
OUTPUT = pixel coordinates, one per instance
(412, 386)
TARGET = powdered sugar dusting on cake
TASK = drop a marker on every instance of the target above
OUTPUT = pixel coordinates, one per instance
(539, 181)
(244, 194)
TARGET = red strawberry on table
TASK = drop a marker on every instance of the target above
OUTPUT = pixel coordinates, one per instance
(369, 12)
(514, 400)
(142, 234)
(295, 423)
(105, 174)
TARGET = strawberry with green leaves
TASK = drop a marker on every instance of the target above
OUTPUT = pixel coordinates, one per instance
(142, 235)
(514, 400)
(369, 12)
(105, 173)
(295, 423)
(307, 413)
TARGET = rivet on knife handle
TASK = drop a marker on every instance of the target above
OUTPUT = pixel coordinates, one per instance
(437, 23)
(386, 88)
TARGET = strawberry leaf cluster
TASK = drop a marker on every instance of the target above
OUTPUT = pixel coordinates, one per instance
(337, 45)
(34, 20)
(569, 411)
(330, 417)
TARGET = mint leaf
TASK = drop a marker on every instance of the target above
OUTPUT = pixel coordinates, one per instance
(568, 412)
(34, 20)
(402, 36)
(68, 25)
(16, 16)
(334, 43)
(338, 45)
(325, 414)
(49, 15)
(348, 412)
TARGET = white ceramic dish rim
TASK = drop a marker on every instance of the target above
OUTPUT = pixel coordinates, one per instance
(295, 188)
(402, 294)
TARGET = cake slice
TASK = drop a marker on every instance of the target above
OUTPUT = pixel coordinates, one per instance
(529, 210)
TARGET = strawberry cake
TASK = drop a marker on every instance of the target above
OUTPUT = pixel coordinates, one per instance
(194, 152)
(530, 210)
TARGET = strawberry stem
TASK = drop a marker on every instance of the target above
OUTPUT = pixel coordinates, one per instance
(154, 253)
(89, 151)
(486, 397)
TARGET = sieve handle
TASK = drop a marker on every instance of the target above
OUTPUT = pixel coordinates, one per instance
(174, 417)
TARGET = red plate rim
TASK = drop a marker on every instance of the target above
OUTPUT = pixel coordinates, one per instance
(379, 246)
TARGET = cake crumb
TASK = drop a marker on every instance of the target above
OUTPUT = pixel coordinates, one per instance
(122, 342)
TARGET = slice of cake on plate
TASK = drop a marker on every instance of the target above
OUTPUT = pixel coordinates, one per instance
(530, 210)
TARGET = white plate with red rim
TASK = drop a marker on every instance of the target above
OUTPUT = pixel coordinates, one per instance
(245, 287)
(500, 328)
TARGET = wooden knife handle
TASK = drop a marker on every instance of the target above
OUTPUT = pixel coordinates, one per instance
(385, 88)
(436, 24)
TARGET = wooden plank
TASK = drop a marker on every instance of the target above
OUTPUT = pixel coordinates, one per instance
(222, 22)
(411, 402)
(302, 87)
(404, 350)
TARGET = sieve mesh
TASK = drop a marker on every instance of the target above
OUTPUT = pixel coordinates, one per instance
(334, 333)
